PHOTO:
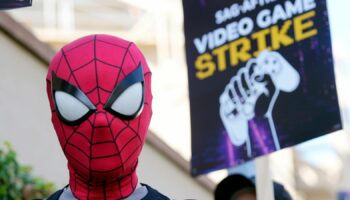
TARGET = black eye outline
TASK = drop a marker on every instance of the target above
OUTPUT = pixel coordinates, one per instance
(134, 77)
(58, 84)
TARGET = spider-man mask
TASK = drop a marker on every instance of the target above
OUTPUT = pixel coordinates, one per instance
(99, 88)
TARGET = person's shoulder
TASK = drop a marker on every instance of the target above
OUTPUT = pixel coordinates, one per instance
(153, 194)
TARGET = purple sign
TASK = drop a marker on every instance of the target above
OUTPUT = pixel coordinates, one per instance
(343, 195)
(10, 4)
(260, 77)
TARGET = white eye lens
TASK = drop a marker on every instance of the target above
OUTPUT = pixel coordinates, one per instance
(69, 107)
(129, 102)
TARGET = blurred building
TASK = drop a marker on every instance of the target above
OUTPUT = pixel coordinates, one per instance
(314, 170)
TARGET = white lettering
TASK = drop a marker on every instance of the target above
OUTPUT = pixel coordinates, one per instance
(211, 44)
(219, 17)
(201, 44)
(278, 14)
(235, 9)
(232, 33)
(264, 18)
(293, 9)
(247, 6)
(282, 12)
(220, 36)
(245, 26)
(309, 5)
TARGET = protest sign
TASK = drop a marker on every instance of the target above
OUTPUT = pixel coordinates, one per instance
(10, 4)
(261, 78)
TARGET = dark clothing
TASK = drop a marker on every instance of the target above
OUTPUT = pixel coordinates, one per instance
(152, 194)
(234, 183)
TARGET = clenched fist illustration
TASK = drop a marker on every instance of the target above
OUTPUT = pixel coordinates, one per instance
(252, 93)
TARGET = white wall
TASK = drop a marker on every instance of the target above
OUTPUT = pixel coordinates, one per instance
(158, 172)
(24, 112)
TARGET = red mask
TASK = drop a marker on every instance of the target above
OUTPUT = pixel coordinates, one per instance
(99, 88)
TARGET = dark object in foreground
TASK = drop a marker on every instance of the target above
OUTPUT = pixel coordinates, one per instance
(235, 185)
(11, 4)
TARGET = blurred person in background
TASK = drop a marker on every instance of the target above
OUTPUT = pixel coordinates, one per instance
(238, 187)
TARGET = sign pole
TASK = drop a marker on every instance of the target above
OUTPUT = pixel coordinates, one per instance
(264, 184)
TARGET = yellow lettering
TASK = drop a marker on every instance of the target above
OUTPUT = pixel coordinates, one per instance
(301, 23)
(280, 36)
(260, 38)
(205, 66)
(221, 57)
(239, 51)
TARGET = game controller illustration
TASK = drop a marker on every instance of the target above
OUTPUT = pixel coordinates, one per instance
(261, 79)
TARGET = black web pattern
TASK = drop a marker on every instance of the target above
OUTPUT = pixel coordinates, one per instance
(134, 142)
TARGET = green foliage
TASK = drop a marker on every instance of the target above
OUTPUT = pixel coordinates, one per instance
(16, 181)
